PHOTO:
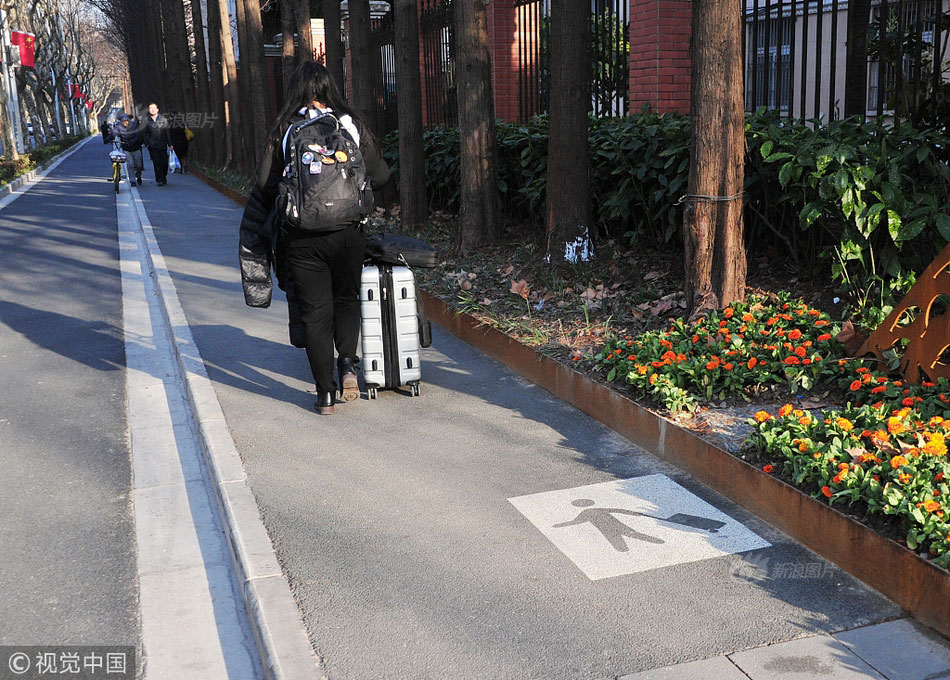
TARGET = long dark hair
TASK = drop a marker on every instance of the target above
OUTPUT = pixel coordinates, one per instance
(311, 81)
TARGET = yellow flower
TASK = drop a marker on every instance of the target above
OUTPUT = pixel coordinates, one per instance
(936, 444)
(804, 421)
(898, 461)
(895, 426)
(904, 477)
(785, 410)
(845, 424)
(761, 416)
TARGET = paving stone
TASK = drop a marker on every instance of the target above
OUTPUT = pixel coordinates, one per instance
(819, 656)
(718, 667)
(901, 650)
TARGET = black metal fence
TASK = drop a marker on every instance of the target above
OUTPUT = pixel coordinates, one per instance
(437, 31)
(796, 56)
(609, 56)
(384, 66)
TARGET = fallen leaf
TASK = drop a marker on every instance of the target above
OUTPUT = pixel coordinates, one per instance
(465, 284)
(510, 268)
(652, 275)
(521, 288)
(487, 301)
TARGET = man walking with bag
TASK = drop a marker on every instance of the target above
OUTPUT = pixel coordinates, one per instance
(157, 141)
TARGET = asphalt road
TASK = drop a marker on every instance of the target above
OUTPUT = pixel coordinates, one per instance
(68, 570)
(392, 519)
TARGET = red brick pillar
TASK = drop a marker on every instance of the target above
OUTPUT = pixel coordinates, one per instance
(659, 55)
(503, 44)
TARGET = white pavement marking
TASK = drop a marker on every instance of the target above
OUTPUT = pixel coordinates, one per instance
(193, 619)
(632, 525)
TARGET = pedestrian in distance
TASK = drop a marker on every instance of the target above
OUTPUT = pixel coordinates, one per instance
(318, 264)
(178, 136)
(158, 142)
(131, 137)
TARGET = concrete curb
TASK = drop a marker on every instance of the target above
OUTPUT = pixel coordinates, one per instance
(279, 633)
(917, 585)
(41, 171)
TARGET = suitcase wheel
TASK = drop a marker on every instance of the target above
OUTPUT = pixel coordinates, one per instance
(414, 390)
(373, 392)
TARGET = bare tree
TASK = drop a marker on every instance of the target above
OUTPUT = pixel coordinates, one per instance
(205, 151)
(479, 216)
(288, 25)
(254, 88)
(331, 28)
(412, 174)
(713, 232)
(361, 59)
(568, 195)
(304, 35)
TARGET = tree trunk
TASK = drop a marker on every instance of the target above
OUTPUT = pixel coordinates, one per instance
(568, 187)
(155, 84)
(6, 130)
(257, 94)
(204, 148)
(479, 217)
(288, 26)
(176, 50)
(715, 251)
(412, 177)
(231, 94)
(219, 79)
(331, 28)
(304, 35)
(856, 68)
(361, 60)
(246, 89)
(187, 75)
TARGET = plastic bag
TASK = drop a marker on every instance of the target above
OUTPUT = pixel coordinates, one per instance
(174, 165)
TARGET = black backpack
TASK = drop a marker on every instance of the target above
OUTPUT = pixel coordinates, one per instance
(324, 186)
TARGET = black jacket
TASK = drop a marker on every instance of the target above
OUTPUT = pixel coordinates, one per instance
(130, 138)
(259, 247)
(156, 132)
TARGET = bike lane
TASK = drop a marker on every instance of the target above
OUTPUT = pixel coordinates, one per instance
(445, 535)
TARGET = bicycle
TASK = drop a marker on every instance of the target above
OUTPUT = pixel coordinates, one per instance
(118, 157)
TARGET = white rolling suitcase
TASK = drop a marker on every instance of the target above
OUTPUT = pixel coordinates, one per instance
(390, 328)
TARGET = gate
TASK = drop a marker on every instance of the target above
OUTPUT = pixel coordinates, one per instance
(437, 29)
(533, 26)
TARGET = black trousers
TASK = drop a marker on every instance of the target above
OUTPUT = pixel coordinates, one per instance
(326, 268)
(159, 163)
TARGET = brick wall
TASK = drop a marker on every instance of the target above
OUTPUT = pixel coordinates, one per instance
(503, 43)
(659, 55)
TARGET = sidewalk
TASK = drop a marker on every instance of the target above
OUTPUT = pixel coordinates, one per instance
(428, 537)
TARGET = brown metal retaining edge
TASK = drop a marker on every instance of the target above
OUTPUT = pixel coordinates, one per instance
(220, 188)
(915, 584)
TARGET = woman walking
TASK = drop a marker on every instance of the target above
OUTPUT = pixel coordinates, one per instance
(319, 269)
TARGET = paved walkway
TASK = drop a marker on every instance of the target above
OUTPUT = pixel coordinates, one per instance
(422, 536)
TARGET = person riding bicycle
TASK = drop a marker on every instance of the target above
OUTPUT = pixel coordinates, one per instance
(131, 137)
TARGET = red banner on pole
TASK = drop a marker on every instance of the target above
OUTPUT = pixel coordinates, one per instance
(27, 45)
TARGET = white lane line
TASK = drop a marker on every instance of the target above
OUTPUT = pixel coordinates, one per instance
(193, 619)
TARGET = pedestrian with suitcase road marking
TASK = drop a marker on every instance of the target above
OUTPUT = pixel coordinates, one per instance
(304, 218)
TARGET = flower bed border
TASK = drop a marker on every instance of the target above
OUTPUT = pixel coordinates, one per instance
(920, 587)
